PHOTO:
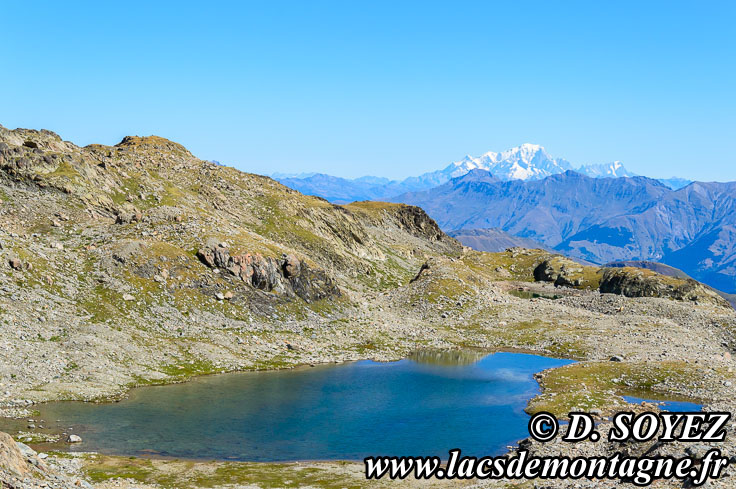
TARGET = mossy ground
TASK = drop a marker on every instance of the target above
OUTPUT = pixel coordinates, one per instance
(553, 337)
(600, 385)
(170, 474)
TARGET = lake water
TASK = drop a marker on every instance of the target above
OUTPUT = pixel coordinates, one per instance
(425, 405)
(667, 406)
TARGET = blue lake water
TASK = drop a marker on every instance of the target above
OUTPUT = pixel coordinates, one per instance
(426, 405)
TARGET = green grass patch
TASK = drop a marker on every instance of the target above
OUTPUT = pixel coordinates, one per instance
(186, 370)
(600, 385)
(170, 474)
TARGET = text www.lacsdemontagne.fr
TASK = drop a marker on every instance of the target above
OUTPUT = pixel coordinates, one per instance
(641, 471)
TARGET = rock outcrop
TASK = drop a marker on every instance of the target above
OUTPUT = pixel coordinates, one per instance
(414, 220)
(626, 281)
(288, 275)
(407, 218)
(11, 458)
(21, 467)
(561, 271)
(638, 282)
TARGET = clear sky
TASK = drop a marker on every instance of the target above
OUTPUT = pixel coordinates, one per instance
(382, 88)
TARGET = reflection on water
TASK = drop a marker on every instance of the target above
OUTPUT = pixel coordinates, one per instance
(447, 357)
(345, 412)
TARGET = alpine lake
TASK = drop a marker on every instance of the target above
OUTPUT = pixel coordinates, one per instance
(427, 404)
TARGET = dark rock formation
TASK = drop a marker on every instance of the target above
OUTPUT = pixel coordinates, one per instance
(414, 220)
(288, 275)
(425, 266)
(636, 282)
(561, 271)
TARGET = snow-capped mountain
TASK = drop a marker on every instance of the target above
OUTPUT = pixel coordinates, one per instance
(525, 162)
(614, 169)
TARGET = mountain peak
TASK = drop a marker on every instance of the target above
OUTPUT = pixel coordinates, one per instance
(526, 162)
(526, 148)
(531, 146)
(524, 151)
(613, 169)
(151, 142)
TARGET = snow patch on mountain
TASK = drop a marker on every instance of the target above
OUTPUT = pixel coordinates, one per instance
(614, 169)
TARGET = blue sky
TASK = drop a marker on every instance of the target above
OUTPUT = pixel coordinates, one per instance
(382, 88)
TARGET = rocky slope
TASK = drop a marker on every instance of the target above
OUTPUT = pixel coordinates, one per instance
(139, 263)
(108, 252)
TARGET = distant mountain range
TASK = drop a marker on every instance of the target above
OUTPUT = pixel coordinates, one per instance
(599, 213)
(600, 219)
(494, 240)
(525, 162)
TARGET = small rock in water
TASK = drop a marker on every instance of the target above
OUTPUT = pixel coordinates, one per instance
(73, 439)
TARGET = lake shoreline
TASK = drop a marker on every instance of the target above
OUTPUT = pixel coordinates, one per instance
(674, 368)
(435, 376)
(10, 410)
